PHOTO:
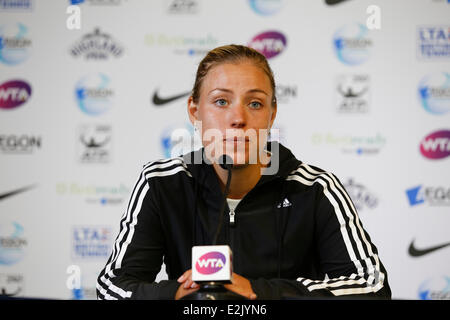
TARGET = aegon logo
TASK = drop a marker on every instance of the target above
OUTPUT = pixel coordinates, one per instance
(434, 196)
(19, 143)
(210, 262)
(269, 43)
(14, 93)
(436, 145)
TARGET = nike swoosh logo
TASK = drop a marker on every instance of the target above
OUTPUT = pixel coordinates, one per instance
(414, 252)
(8, 194)
(158, 101)
(333, 2)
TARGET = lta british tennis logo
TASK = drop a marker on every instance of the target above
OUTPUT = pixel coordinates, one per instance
(210, 262)
(436, 145)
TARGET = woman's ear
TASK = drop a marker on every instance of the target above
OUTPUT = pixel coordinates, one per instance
(192, 109)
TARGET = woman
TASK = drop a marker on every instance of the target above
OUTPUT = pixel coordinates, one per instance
(293, 232)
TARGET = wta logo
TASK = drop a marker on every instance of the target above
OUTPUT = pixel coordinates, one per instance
(14, 93)
(269, 44)
(436, 145)
(210, 262)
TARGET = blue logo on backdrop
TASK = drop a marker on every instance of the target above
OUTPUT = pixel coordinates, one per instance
(437, 288)
(12, 243)
(266, 7)
(177, 140)
(434, 93)
(415, 196)
(433, 42)
(93, 94)
(432, 195)
(16, 5)
(91, 242)
(352, 44)
(14, 43)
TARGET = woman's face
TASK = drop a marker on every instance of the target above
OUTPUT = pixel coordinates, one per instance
(234, 111)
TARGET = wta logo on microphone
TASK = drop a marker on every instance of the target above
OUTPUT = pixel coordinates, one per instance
(211, 263)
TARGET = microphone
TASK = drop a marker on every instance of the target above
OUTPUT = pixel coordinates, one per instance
(212, 265)
(226, 163)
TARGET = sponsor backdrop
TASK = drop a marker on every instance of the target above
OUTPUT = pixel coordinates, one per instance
(92, 90)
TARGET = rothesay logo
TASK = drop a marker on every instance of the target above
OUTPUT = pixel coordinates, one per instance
(15, 43)
(353, 44)
(211, 262)
(434, 93)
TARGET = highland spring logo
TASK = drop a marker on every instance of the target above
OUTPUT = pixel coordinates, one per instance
(97, 46)
(352, 44)
(269, 43)
(434, 93)
(436, 145)
(210, 262)
(361, 196)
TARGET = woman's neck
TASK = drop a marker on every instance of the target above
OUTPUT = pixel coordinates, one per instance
(243, 179)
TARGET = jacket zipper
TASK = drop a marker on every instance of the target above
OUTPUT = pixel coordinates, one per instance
(232, 217)
(232, 223)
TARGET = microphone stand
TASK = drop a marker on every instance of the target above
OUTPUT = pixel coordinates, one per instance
(213, 290)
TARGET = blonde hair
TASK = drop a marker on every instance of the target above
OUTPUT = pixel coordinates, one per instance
(231, 54)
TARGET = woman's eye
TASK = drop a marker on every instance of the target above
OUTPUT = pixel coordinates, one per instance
(221, 102)
(255, 104)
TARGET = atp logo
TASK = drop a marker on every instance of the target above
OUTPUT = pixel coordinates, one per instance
(210, 262)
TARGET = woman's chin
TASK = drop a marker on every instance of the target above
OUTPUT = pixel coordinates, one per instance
(243, 159)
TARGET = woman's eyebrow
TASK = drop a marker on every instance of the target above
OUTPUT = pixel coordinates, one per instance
(257, 90)
(220, 89)
(249, 91)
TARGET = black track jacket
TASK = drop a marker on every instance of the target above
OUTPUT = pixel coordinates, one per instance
(297, 233)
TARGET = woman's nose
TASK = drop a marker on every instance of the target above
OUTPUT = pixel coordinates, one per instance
(238, 116)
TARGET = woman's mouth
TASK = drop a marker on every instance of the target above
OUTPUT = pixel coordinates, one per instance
(237, 139)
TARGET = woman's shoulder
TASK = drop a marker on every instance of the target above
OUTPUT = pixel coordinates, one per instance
(164, 167)
(310, 174)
